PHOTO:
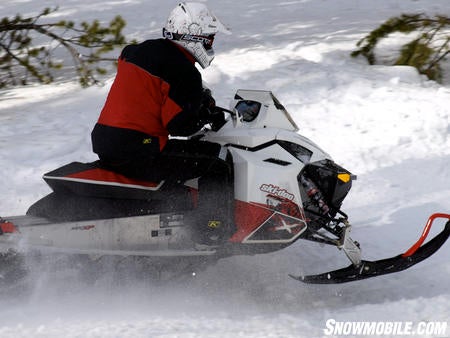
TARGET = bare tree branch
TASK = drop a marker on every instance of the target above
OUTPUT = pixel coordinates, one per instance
(88, 44)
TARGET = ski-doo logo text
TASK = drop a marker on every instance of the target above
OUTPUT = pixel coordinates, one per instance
(277, 191)
(336, 328)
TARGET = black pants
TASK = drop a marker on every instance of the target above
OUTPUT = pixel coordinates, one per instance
(182, 160)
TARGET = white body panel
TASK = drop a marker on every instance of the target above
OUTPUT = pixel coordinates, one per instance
(249, 166)
(138, 236)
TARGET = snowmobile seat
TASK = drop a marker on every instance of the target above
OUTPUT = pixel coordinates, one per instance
(85, 191)
(91, 179)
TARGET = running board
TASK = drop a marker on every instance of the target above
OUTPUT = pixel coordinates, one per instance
(369, 269)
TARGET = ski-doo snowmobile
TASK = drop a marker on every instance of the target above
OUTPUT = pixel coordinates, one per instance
(285, 189)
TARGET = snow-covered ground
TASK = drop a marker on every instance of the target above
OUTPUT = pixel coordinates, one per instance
(388, 125)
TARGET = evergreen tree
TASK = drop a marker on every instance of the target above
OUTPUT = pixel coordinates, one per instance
(23, 60)
(427, 49)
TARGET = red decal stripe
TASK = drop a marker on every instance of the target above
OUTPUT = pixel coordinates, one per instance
(248, 216)
(103, 175)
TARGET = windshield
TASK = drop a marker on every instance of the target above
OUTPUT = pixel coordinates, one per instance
(261, 109)
(248, 109)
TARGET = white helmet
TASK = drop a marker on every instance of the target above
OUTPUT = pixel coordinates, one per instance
(193, 26)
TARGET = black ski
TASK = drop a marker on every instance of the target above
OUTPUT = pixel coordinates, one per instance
(369, 269)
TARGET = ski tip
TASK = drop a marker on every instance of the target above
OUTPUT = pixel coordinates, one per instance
(325, 278)
(300, 278)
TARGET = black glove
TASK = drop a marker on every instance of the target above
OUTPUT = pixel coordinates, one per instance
(209, 113)
(207, 106)
(217, 119)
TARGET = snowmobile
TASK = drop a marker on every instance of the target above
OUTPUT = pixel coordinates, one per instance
(286, 189)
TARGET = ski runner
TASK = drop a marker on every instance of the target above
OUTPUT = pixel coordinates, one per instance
(158, 92)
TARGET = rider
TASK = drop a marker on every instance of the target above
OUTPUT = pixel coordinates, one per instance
(158, 92)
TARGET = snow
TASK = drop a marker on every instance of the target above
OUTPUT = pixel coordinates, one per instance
(388, 125)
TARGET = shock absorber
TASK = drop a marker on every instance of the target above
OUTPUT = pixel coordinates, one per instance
(315, 195)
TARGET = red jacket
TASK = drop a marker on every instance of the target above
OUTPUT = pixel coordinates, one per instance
(157, 91)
